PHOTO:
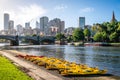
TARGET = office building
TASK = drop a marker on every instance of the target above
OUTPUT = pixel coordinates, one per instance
(82, 22)
(19, 29)
(44, 24)
(27, 25)
(56, 26)
(62, 26)
(11, 25)
(6, 21)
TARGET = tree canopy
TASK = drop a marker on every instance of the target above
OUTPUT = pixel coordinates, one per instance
(60, 36)
(87, 33)
(106, 32)
(78, 35)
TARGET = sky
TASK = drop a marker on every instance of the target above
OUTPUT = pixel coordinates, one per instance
(95, 11)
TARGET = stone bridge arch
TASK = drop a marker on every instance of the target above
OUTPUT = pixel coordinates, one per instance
(36, 40)
(14, 41)
(47, 39)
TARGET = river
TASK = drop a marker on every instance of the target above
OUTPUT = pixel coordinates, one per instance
(103, 57)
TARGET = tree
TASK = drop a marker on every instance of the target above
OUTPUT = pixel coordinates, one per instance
(78, 35)
(95, 28)
(69, 38)
(118, 31)
(60, 36)
(87, 33)
(104, 36)
(98, 36)
(34, 34)
(103, 28)
(113, 37)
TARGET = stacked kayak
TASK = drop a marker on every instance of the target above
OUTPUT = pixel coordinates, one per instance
(64, 67)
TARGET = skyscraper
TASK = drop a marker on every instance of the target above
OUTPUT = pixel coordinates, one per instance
(19, 29)
(82, 22)
(62, 26)
(27, 25)
(57, 26)
(43, 23)
(6, 21)
(11, 25)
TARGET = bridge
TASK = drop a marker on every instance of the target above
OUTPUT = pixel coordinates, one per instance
(35, 40)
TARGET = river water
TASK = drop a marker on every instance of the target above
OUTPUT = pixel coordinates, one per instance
(103, 57)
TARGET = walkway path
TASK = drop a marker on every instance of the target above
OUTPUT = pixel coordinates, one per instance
(33, 71)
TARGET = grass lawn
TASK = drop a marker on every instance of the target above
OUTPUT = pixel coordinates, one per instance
(8, 71)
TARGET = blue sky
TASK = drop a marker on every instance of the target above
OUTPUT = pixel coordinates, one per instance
(95, 11)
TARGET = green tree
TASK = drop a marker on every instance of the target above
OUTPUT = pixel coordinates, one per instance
(118, 28)
(104, 36)
(98, 37)
(60, 36)
(87, 33)
(113, 37)
(78, 35)
(111, 28)
(34, 35)
(69, 38)
(118, 31)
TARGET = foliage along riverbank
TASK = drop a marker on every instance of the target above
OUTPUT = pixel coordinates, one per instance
(102, 44)
(8, 71)
(94, 44)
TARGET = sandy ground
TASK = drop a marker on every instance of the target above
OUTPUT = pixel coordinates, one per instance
(40, 73)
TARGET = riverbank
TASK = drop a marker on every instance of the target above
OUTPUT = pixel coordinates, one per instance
(40, 73)
(102, 44)
(76, 43)
(115, 44)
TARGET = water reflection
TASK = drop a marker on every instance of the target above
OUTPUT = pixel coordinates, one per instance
(75, 54)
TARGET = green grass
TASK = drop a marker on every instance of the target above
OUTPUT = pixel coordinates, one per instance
(8, 71)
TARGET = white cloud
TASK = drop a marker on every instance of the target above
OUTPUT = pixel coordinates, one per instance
(61, 7)
(87, 9)
(20, 13)
(27, 13)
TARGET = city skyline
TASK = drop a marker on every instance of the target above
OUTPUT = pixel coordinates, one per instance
(95, 11)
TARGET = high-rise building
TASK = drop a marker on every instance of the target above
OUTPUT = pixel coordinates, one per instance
(44, 24)
(62, 26)
(82, 22)
(11, 25)
(27, 25)
(56, 26)
(19, 29)
(6, 21)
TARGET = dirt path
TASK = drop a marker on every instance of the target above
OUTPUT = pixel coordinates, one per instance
(39, 73)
